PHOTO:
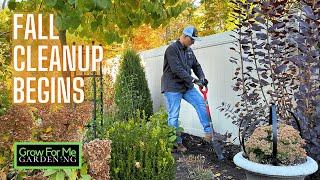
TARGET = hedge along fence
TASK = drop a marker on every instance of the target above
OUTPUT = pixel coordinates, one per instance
(141, 149)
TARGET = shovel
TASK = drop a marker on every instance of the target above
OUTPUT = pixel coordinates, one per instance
(214, 142)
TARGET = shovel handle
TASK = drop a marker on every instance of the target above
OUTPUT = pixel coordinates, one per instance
(204, 91)
(216, 146)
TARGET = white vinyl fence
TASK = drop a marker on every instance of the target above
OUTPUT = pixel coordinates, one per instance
(213, 53)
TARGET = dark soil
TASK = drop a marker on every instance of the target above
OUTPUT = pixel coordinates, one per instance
(200, 161)
(314, 176)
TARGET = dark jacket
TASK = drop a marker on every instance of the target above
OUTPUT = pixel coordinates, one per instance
(178, 62)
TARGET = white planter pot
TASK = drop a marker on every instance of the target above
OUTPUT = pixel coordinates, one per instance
(256, 171)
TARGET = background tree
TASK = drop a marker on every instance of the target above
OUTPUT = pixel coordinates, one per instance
(214, 16)
(209, 16)
(145, 37)
(131, 88)
(104, 19)
(5, 70)
(277, 62)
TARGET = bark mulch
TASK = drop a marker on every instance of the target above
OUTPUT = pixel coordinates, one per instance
(200, 161)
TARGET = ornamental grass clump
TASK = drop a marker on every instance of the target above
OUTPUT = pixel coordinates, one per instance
(290, 149)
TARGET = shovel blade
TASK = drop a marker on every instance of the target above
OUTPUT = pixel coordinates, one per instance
(218, 149)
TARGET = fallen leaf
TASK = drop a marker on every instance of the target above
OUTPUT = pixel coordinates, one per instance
(217, 175)
(2, 161)
(3, 175)
(49, 129)
(6, 138)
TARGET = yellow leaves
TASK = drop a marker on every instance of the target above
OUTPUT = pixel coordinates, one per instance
(47, 130)
(11, 148)
(5, 138)
(2, 161)
(80, 129)
(217, 174)
(145, 38)
(33, 110)
(141, 143)
(3, 174)
(84, 169)
(137, 165)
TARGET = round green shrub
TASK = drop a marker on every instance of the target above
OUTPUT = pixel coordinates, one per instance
(141, 149)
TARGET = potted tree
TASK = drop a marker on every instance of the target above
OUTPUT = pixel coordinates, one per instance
(277, 42)
(273, 152)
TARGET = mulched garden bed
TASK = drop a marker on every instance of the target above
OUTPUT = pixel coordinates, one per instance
(200, 161)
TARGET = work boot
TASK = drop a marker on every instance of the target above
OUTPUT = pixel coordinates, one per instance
(181, 148)
(208, 137)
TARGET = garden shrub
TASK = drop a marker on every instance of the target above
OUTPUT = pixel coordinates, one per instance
(105, 115)
(95, 164)
(141, 149)
(71, 174)
(42, 122)
(131, 87)
(63, 123)
(97, 154)
(107, 90)
(16, 125)
(290, 145)
(160, 119)
(108, 119)
(277, 62)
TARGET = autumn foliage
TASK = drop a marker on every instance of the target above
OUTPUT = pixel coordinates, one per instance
(41, 123)
(16, 125)
(62, 124)
(290, 145)
(98, 153)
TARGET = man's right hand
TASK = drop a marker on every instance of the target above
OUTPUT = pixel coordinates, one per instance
(204, 81)
(198, 82)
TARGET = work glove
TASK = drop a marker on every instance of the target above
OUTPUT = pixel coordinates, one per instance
(198, 82)
(204, 81)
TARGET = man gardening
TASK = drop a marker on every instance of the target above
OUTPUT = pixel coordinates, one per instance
(177, 82)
